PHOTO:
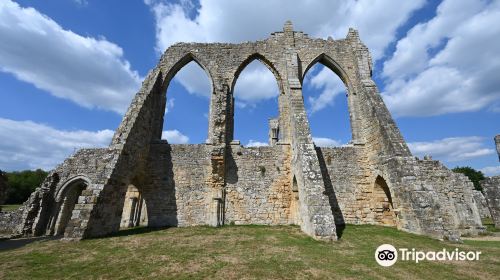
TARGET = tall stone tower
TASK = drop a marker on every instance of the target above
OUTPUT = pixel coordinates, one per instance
(142, 179)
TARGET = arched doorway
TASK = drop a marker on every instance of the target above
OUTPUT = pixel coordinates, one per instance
(66, 200)
(134, 209)
(382, 205)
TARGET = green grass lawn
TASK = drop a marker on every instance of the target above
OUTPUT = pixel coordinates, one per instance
(490, 226)
(235, 252)
(10, 207)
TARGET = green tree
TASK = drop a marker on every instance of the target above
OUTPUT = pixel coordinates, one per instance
(22, 184)
(3, 187)
(473, 175)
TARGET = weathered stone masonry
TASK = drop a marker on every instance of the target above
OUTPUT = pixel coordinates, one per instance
(142, 180)
(491, 190)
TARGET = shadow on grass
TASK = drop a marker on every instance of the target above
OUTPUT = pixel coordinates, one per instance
(340, 230)
(10, 244)
(134, 231)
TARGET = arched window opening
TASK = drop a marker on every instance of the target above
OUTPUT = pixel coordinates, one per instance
(187, 106)
(134, 209)
(295, 187)
(382, 204)
(256, 113)
(325, 98)
(66, 202)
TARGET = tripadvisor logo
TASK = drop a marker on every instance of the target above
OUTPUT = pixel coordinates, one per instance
(387, 255)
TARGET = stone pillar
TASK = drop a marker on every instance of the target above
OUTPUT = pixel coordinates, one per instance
(314, 208)
(273, 131)
(217, 182)
(220, 127)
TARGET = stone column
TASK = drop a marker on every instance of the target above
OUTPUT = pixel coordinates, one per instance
(220, 134)
(314, 207)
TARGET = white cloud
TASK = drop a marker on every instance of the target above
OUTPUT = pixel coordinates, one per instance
(491, 170)
(328, 83)
(446, 65)
(170, 105)
(326, 142)
(452, 149)
(90, 72)
(236, 21)
(81, 2)
(174, 137)
(253, 143)
(29, 145)
(194, 79)
(255, 83)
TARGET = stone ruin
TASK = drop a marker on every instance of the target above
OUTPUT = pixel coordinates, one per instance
(491, 191)
(143, 180)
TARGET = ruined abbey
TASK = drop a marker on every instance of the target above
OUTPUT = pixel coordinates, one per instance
(143, 180)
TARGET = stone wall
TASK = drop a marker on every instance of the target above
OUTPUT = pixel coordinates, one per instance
(346, 184)
(9, 222)
(482, 205)
(259, 186)
(455, 193)
(178, 193)
(423, 195)
(491, 189)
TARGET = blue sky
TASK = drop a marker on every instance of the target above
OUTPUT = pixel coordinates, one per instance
(69, 69)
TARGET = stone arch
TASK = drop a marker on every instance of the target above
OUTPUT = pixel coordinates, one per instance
(327, 61)
(170, 73)
(179, 64)
(281, 104)
(382, 203)
(352, 99)
(266, 62)
(66, 198)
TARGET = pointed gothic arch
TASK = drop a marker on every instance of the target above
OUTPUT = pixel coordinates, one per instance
(167, 98)
(352, 98)
(177, 66)
(382, 203)
(263, 60)
(327, 61)
(264, 124)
